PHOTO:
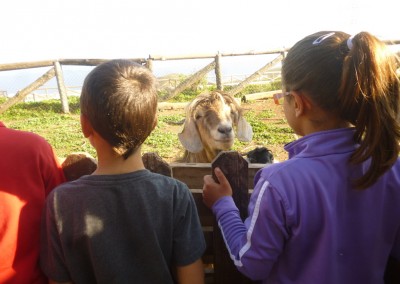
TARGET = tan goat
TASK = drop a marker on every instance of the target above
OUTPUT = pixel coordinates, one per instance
(210, 123)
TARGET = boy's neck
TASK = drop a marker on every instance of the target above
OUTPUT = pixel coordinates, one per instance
(109, 163)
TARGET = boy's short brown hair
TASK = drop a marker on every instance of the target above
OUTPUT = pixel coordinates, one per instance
(119, 99)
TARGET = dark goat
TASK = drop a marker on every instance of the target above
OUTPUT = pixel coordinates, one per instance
(260, 155)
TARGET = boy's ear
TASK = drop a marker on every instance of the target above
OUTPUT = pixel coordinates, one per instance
(155, 122)
(86, 126)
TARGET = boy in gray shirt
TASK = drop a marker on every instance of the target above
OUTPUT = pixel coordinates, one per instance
(122, 224)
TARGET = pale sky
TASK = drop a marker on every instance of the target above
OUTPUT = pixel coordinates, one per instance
(56, 29)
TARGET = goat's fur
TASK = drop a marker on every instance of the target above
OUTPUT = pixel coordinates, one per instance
(210, 123)
(260, 155)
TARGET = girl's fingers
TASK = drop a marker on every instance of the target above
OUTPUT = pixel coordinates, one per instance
(221, 177)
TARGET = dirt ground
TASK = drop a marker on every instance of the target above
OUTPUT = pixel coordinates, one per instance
(257, 106)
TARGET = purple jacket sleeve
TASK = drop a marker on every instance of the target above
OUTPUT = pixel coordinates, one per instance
(255, 244)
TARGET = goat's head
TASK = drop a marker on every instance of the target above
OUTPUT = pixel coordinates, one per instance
(210, 122)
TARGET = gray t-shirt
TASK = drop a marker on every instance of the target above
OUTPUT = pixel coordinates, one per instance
(128, 228)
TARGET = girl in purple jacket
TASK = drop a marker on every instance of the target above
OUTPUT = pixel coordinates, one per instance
(331, 212)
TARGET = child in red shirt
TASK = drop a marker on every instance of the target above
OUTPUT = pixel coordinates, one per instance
(28, 172)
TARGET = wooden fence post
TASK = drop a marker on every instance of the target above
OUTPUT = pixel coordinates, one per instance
(61, 87)
(235, 168)
(26, 91)
(218, 74)
(149, 64)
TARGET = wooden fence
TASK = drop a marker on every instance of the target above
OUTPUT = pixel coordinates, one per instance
(219, 268)
(56, 71)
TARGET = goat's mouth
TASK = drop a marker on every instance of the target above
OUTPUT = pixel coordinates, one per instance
(224, 140)
(224, 144)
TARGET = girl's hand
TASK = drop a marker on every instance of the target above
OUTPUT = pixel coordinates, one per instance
(212, 191)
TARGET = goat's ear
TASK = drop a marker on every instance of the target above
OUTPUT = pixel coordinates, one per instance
(244, 130)
(189, 137)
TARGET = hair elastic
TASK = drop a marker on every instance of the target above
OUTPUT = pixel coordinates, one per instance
(350, 42)
(322, 38)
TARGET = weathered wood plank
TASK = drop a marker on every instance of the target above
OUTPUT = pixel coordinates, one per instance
(94, 62)
(205, 214)
(235, 168)
(218, 265)
(192, 173)
(259, 96)
(61, 87)
(167, 105)
(149, 64)
(255, 75)
(26, 91)
(190, 81)
(218, 72)
(25, 65)
(204, 56)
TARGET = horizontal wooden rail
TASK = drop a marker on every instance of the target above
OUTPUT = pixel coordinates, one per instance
(240, 174)
(218, 265)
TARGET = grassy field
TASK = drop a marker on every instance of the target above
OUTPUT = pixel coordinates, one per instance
(64, 134)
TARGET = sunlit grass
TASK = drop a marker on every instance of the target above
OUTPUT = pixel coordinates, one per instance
(63, 131)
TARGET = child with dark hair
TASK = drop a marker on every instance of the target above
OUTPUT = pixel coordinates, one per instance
(331, 212)
(122, 224)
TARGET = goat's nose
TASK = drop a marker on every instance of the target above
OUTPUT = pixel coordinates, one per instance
(225, 129)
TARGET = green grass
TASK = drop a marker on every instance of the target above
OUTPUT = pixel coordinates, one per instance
(45, 118)
(64, 133)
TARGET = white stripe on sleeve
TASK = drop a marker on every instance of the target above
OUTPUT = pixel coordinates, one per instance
(249, 233)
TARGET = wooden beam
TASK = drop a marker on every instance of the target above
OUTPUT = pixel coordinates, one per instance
(167, 105)
(190, 81)
(255, 75)
(25, 65)
(392, 42)
(218, 73)
(26, 91)
(62, 90)
(235, 169)
(192, 173)
(95, 62)
(259, 96)
(149, 64)
(205, 56)
(38, 64)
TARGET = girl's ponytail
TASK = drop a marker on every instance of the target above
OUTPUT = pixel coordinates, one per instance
(369, 99)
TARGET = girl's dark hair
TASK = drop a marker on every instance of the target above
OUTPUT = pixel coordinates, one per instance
(356, 79)
(119, 98)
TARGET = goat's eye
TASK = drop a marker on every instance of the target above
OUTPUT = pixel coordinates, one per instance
(197, 116)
